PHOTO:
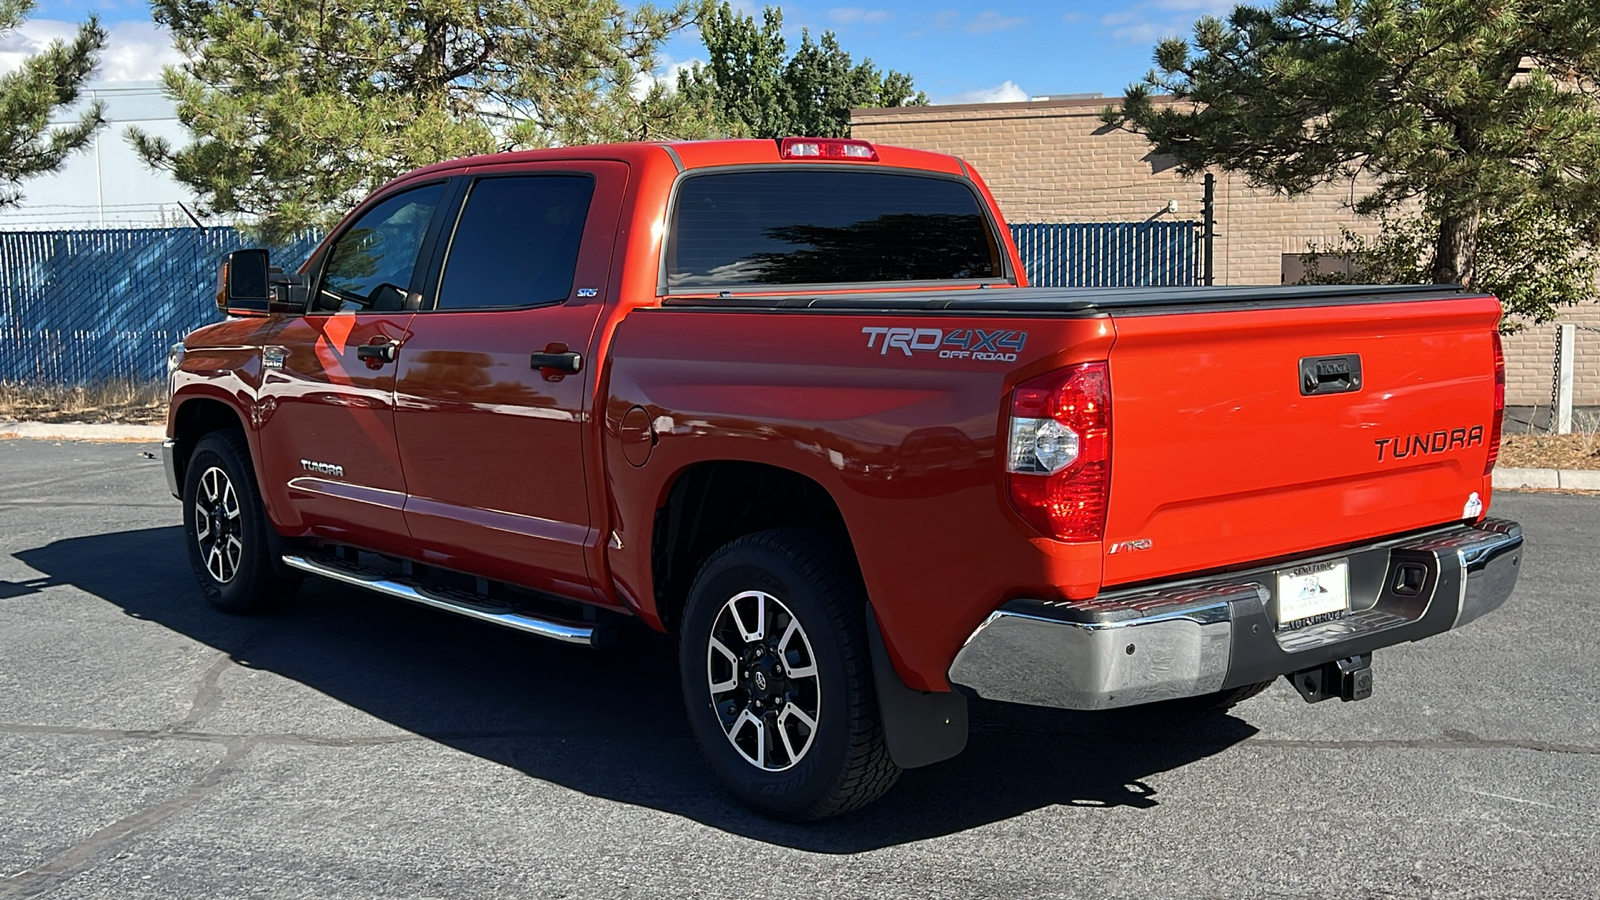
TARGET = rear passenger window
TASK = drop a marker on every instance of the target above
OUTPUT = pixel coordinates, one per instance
(822, 226)
(517, 242)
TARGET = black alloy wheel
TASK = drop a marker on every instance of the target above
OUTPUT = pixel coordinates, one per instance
(762, 677)
(777, 677)
(230, 541)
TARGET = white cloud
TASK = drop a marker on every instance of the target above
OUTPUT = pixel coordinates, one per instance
(941, 21)
(30, 39)
(989, 20)
(1198, 7)
(666, 77)
(856, 15)
(1005, 92)
(135, 51)
(1147, 32)
(1152, 20)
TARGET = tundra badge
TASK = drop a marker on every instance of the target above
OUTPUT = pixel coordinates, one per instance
(322, 468)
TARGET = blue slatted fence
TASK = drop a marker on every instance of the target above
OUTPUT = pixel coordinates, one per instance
(1110, 254)
(89, 305)
(79, 306)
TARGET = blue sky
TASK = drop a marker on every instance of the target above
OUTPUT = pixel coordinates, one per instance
(967, 52)
(957, 52)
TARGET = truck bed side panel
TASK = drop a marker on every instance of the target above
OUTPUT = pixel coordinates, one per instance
(905, 441)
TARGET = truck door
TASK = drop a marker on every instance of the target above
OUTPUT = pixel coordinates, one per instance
(326, 411)
(496, 382)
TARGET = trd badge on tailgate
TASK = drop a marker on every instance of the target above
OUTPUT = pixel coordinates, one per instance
(998, 345)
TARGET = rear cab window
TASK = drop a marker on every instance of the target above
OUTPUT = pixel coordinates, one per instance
(517, 242)
(827, 226)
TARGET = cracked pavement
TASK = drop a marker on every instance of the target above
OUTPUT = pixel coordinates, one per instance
(355, 747)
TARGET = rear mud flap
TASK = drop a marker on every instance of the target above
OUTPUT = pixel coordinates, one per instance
(920, 727)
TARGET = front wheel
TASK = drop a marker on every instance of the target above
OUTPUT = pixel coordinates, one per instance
(777, 677)
(225, 525)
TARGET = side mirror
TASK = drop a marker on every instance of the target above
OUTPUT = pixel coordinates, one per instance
(249, 285)
(244, 283)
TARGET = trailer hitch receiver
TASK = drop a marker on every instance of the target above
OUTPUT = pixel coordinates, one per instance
(1348, 679)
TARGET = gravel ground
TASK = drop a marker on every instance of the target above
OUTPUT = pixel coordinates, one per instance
(352, 747)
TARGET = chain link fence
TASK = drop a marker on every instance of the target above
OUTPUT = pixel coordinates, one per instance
(1543, 362)
(1565, 409)
(92, 305)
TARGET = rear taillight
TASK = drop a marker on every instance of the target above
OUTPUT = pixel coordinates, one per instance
(1058, 457)
(826, 148)
(1499, 404)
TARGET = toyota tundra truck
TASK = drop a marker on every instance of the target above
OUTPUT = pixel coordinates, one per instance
(793, 402)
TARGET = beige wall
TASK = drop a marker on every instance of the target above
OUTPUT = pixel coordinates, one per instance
(1053, 161)
(1530, 358)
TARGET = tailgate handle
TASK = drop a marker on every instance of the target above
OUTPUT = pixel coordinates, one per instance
(1330, 374)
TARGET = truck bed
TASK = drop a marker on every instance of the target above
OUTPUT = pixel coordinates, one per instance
(1218, 460)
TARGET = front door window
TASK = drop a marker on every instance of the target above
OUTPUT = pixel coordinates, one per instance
(371, 264)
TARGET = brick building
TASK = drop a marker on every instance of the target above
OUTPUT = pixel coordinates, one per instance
(1053, 161)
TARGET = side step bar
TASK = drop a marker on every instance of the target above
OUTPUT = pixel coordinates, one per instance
(580, 633)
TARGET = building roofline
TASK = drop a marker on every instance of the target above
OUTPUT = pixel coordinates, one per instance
(936, 110)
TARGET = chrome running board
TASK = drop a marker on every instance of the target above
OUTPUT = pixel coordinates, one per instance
(579, 633)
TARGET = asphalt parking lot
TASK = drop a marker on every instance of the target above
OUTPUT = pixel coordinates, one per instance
(357, 747)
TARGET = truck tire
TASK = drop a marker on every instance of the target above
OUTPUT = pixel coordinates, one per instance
(777, 677)
(226, 529)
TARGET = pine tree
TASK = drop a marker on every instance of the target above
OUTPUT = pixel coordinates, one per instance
(298, 108)
(1462, 115)
(45, 85)
(751, 87)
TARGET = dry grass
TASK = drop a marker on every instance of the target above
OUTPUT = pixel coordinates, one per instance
(121, 402)
(1578, 450)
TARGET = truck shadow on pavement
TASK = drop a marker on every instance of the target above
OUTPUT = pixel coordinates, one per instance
(610, 723)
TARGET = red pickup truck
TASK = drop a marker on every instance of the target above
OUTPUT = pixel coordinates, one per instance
(794, 402)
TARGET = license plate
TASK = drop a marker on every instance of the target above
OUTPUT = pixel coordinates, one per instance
(1313, 593)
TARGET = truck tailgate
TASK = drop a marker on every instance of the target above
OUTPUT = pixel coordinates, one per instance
(1219, 457)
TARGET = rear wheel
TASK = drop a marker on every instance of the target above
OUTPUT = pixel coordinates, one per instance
(227, 531)
(777, 677)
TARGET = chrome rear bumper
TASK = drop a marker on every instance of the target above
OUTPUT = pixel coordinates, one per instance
(1205, 635)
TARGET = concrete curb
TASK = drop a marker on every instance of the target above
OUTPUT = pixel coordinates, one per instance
(79, 431)
(1548, 479)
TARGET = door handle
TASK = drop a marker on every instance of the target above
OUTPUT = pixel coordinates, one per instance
(377, 354)
(563, 362)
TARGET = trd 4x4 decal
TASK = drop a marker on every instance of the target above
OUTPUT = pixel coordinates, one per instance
(998, 345)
